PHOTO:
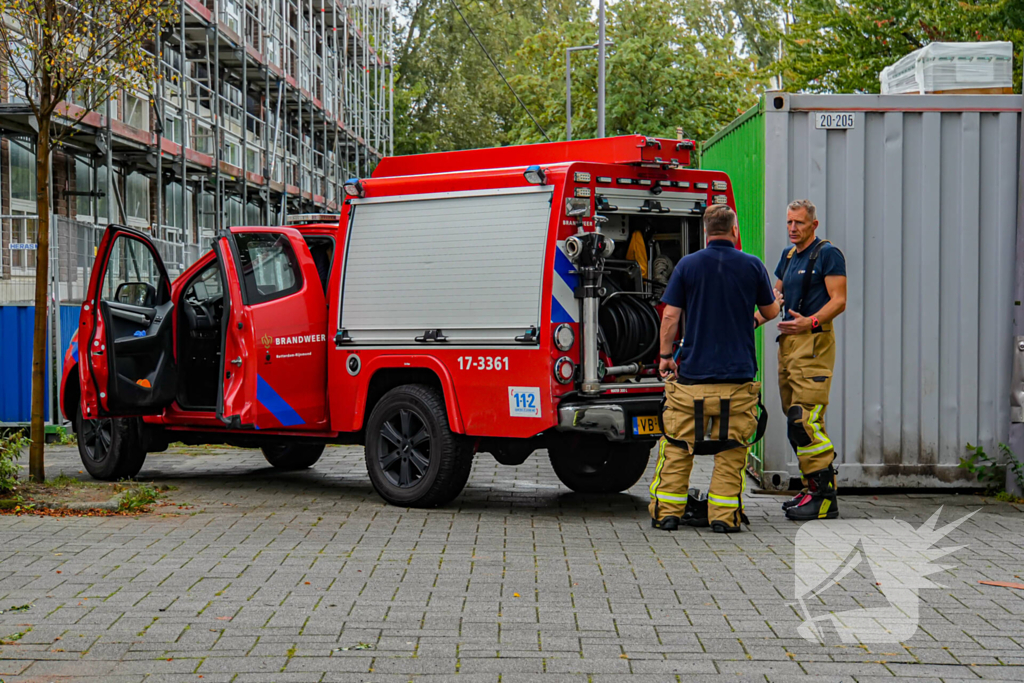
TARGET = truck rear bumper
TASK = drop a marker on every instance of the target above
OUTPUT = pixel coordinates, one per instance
(611, 417)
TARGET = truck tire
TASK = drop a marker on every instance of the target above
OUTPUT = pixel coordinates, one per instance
(292, 456)
(412, 456)
(110, 447)
(595, 465)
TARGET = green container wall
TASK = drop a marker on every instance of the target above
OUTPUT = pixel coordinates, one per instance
(739, 151)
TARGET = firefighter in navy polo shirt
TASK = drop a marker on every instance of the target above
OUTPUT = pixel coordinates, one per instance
(812, 285)
(711, 398)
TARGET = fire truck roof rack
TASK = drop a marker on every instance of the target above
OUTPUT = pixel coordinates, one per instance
(306, 218)
(625, 149)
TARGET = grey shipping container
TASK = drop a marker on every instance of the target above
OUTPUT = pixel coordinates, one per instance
(921, 194)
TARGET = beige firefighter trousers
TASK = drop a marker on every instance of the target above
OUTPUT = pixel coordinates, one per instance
(805, 379)
(672, 472)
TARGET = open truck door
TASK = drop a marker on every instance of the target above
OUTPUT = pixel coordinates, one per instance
(274, 362)
(126, 342)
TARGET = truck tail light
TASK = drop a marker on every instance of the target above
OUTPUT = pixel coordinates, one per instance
(565, 369)
(564, 337)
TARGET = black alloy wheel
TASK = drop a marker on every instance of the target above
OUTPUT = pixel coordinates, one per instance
(404, 448)
(412, 456)
(95, 438)
(111, 447)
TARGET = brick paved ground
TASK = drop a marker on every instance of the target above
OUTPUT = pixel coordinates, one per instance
(283, 577)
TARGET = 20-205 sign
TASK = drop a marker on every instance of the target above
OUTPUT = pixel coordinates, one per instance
(830, 120)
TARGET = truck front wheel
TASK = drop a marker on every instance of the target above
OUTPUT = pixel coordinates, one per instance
(594, 465)
(413, 457)
(110, 447)
(292, 456)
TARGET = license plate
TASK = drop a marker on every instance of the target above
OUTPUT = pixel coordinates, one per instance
(646, 424)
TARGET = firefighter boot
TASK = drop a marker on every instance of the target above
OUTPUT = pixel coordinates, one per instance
(696, 512)
(670, 523)
(795, 500)
(820, 500)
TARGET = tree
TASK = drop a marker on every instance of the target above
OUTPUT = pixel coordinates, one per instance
(447, 93)
(843, 45)
(674, 63)
(89, 50)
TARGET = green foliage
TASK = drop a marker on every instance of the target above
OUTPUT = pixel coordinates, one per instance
(1015, 465)
(10, 450)
(843, 45)
(135, 496)
(674, 63)
(991, 473)
(65, 438)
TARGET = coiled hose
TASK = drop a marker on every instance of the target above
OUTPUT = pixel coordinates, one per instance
(629, 327)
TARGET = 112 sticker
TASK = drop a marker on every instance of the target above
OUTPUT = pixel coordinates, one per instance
(524, 401)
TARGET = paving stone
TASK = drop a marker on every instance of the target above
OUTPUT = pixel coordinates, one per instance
(518, 579)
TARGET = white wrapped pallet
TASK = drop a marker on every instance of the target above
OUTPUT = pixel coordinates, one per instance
(951, 67)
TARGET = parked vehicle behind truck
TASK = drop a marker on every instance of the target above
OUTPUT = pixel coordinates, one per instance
(490, 301)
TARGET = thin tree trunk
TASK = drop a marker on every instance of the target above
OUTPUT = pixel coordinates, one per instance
(36, 468)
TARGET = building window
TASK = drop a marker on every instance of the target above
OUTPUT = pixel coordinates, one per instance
(23, 203)
(206, 219)
(172, 128)
(83, 183)
(136, 198)
(253, 214)
(173, 215)
(233, 209)
(136, 111)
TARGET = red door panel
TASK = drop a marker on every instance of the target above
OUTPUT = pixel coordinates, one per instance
(125, 334)
(275, 374)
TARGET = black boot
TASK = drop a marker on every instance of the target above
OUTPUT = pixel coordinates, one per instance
(696, 512)
(820, 500)
(670, 523)
(795, 500)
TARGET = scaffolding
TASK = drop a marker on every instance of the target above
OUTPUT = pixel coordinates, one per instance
(264, 108)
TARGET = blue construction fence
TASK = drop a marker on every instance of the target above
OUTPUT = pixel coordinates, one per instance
(16, 325)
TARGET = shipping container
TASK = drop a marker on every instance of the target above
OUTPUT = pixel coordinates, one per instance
(920, 193)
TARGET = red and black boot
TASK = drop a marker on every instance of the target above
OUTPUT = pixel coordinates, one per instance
(795, 500)
(820, 500)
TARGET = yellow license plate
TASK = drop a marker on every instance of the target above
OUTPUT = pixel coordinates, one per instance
(646, 424)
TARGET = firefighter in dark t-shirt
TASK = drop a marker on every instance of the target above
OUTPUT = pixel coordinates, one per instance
(711, 398)
(812, 285)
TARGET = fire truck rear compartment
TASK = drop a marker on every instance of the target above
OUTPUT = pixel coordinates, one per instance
(647, 248)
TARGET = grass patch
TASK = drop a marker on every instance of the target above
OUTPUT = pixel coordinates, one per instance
(14, 637)
(1008, 497)
(66, 438)
(137, 496)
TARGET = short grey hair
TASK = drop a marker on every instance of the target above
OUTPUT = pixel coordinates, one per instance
(805, 204)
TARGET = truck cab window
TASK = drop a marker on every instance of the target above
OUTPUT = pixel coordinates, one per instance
(269, 268)
(322, 250)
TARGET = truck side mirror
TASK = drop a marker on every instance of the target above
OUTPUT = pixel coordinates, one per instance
(136, 294)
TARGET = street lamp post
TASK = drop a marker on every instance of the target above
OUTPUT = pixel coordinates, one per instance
(568, 89)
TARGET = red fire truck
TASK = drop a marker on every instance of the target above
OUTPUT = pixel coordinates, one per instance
(489, 301)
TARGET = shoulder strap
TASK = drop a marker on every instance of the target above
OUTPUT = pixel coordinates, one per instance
(807, 275)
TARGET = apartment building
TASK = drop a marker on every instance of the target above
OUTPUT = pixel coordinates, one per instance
(265, 108)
